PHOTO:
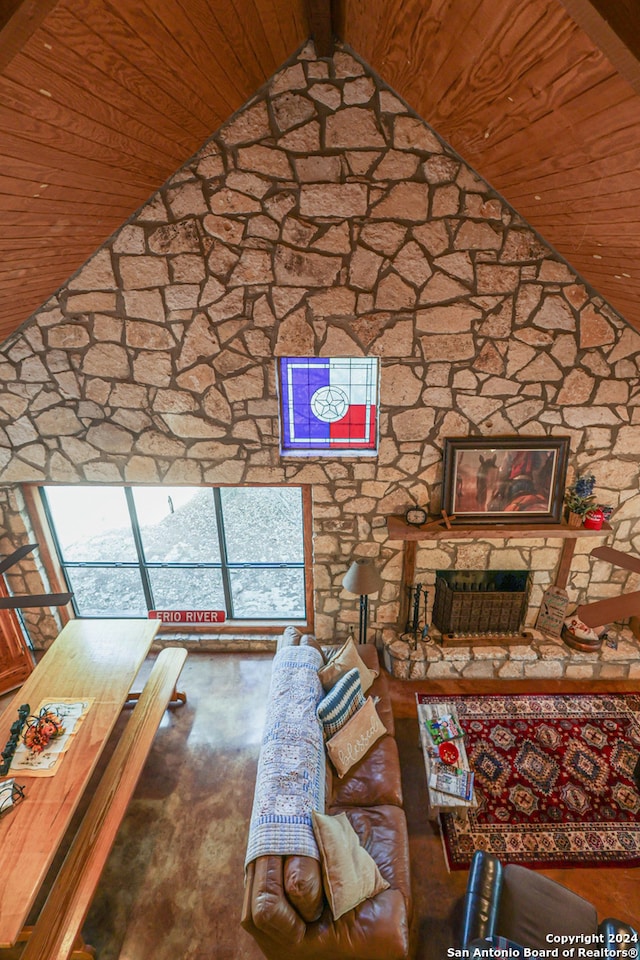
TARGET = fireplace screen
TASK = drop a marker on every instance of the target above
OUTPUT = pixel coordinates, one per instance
(480, 602)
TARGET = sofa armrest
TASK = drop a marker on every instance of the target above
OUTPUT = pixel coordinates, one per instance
(271, 912)
(482, 899)
(302, 878)
(620, 940)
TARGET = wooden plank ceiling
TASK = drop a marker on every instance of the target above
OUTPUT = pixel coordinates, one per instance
(100, 101)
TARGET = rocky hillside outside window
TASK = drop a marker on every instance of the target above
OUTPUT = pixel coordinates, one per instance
(127, 550)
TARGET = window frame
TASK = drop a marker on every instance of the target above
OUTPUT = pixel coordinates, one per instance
(54, 566)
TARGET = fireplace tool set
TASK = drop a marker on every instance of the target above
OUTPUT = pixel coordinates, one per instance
(413, 630)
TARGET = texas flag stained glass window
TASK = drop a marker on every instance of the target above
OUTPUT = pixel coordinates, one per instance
(329, 406)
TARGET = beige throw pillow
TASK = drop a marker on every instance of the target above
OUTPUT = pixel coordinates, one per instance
(350, 744)
(346, 659)
(349, 874)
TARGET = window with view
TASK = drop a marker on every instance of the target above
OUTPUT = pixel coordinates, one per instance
(127, 550)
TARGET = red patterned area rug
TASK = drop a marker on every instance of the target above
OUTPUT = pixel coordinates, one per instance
(553, 780)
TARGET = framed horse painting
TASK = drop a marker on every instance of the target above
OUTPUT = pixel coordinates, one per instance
(504, 479)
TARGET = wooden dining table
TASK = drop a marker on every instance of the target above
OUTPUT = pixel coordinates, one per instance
(95, 660)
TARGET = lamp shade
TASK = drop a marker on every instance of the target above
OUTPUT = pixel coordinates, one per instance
(362, 578)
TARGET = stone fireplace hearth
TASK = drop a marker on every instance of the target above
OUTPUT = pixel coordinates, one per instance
(536, 656)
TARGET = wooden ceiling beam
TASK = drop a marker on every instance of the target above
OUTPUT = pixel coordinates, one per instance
(321, 26)
(614, 27)
(7, 10)
(24, 18)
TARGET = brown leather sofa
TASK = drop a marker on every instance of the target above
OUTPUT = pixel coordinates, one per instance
(284, 908)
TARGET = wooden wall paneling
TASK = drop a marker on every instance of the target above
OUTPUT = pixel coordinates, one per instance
(166, 28)
(550, 184)
(17, 306)
(59, 222)
(361, 24)
(107, 44)
(52, 123)
(572, 223)
(90, 92)
(145, 42)
(493, 131)
(541, 82)
(467, 74)
(83, 112)
(597, 135)
(26, 16)
(284, 22)
(17, 284)
(573, 216)
(39, 172)
(18, 292)
(411, 46)
(70, 150)
(15, 192)
(607, 109)
(480, 51)
(628, 306)
(237, 42)
(14, 299)
(20, 195)
(503, 86)
(18, 259)
(575, 219)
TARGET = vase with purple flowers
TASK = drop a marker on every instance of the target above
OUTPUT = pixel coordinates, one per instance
(579, 499)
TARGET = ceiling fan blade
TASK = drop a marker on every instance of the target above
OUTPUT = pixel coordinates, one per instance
(16, 555)
(609, 610)
(37, 600)
(617, 557)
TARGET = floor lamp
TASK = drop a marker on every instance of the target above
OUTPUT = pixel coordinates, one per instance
(362, 578)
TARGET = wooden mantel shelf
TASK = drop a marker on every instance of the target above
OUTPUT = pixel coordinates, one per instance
(399, 529)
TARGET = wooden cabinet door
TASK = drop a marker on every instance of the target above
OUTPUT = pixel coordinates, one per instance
(16, 660)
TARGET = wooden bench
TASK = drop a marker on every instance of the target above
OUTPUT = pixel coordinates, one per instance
(57, 932)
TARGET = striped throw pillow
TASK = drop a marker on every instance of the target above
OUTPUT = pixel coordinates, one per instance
(342, 701)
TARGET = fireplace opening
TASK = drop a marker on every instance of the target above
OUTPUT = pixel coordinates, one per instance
(481, 603)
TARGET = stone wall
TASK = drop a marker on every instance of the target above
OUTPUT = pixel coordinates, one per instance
(326, 219)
